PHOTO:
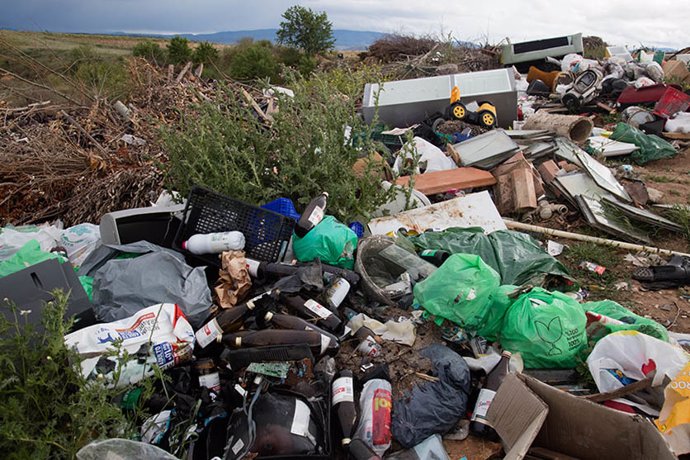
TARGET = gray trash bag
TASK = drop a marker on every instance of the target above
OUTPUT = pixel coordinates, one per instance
(122, 449)
(122, 287)
(436, 407)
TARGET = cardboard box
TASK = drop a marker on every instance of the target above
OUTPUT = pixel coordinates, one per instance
(527, 413)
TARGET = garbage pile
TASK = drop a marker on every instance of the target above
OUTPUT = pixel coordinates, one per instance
(275, 332)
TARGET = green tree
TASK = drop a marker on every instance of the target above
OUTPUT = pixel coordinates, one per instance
(179, 51)
(150, 51)
(205, 53)
(307, 30)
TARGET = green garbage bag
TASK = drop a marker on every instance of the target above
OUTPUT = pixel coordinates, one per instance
(460, 291)
(516, 256)
(633, 322)
(547, 328)
(522, 260)
(29, 254)
(332, 242)
(651, 147)
(456, 240)
(501, 300)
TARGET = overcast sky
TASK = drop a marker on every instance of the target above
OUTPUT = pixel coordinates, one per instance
(663, 23)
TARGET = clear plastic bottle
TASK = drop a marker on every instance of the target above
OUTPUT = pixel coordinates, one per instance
(214, 243)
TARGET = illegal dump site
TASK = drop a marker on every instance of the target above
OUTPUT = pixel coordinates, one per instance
(427, 251)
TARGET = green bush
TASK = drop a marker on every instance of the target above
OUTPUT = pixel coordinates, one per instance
(227, 148)
(179, 51)
(150, 51)
(205, 53)
(296, 59)
(104, 78)
(47, 409)
(254, 60)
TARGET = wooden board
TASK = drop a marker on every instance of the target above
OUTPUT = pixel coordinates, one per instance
(453, 179)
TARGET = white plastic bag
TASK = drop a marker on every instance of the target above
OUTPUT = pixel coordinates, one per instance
(431, 158)
(80, 241)
(375, 404)
(163, 331)
(13, 238)
(624, 357)
(122, 449)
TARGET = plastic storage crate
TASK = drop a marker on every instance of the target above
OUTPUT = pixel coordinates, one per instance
(267, 233)
(283, 206)
(671, 102)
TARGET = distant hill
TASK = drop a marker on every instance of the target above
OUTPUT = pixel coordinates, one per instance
(344, 39)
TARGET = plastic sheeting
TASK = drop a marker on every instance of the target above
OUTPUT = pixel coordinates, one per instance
(330, 241)
(517, 257)
(433, 407)
(122, 449)
(123, 286)
(651, 147)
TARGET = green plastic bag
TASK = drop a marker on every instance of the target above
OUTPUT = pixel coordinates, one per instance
(501, 300)
(31, 254)
(651, 147)
(547, 328)
(332, 242)
(633, 322)
(460, 291)
(516, 256)
(28, 255)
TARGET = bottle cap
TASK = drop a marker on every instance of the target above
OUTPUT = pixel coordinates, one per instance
(268, 316)
(506, 353)
(238, 342)
(346, 441)
(325, 194)
(184, 245)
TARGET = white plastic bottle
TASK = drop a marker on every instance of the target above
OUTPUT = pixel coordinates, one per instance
(214, 243)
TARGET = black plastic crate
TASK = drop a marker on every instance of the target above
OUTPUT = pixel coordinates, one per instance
(267, 233)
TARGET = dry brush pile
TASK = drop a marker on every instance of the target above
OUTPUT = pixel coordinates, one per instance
(77, 162)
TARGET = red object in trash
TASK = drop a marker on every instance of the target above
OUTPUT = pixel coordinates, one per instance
(644, 95)
(671, 102)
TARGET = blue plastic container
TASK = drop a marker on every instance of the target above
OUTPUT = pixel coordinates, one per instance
(283, 206)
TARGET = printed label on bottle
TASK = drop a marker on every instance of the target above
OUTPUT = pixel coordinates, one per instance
(210, 381)
(237, 446)
(207, 334)
(429, 252)
(381, 418)
(300, 421)
(325, 341)
(316, 216)
(343, 391)
(482, 407)
(318, 309)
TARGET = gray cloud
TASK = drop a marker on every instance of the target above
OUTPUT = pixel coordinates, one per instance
(631, 22)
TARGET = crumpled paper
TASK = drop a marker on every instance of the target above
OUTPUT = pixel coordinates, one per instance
(234, 281)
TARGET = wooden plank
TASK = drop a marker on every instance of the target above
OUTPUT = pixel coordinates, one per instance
(452, 179)
(525, 197)
(677, 136)
(504, 195)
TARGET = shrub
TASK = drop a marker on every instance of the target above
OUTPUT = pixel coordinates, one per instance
(252, 61)
(150, 51)
(205, 53)
(104, 79)
(227, 148)
(296, 60)
(179, 51)
(47, 409)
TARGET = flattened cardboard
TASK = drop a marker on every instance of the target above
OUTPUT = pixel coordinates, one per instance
(570, 425)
